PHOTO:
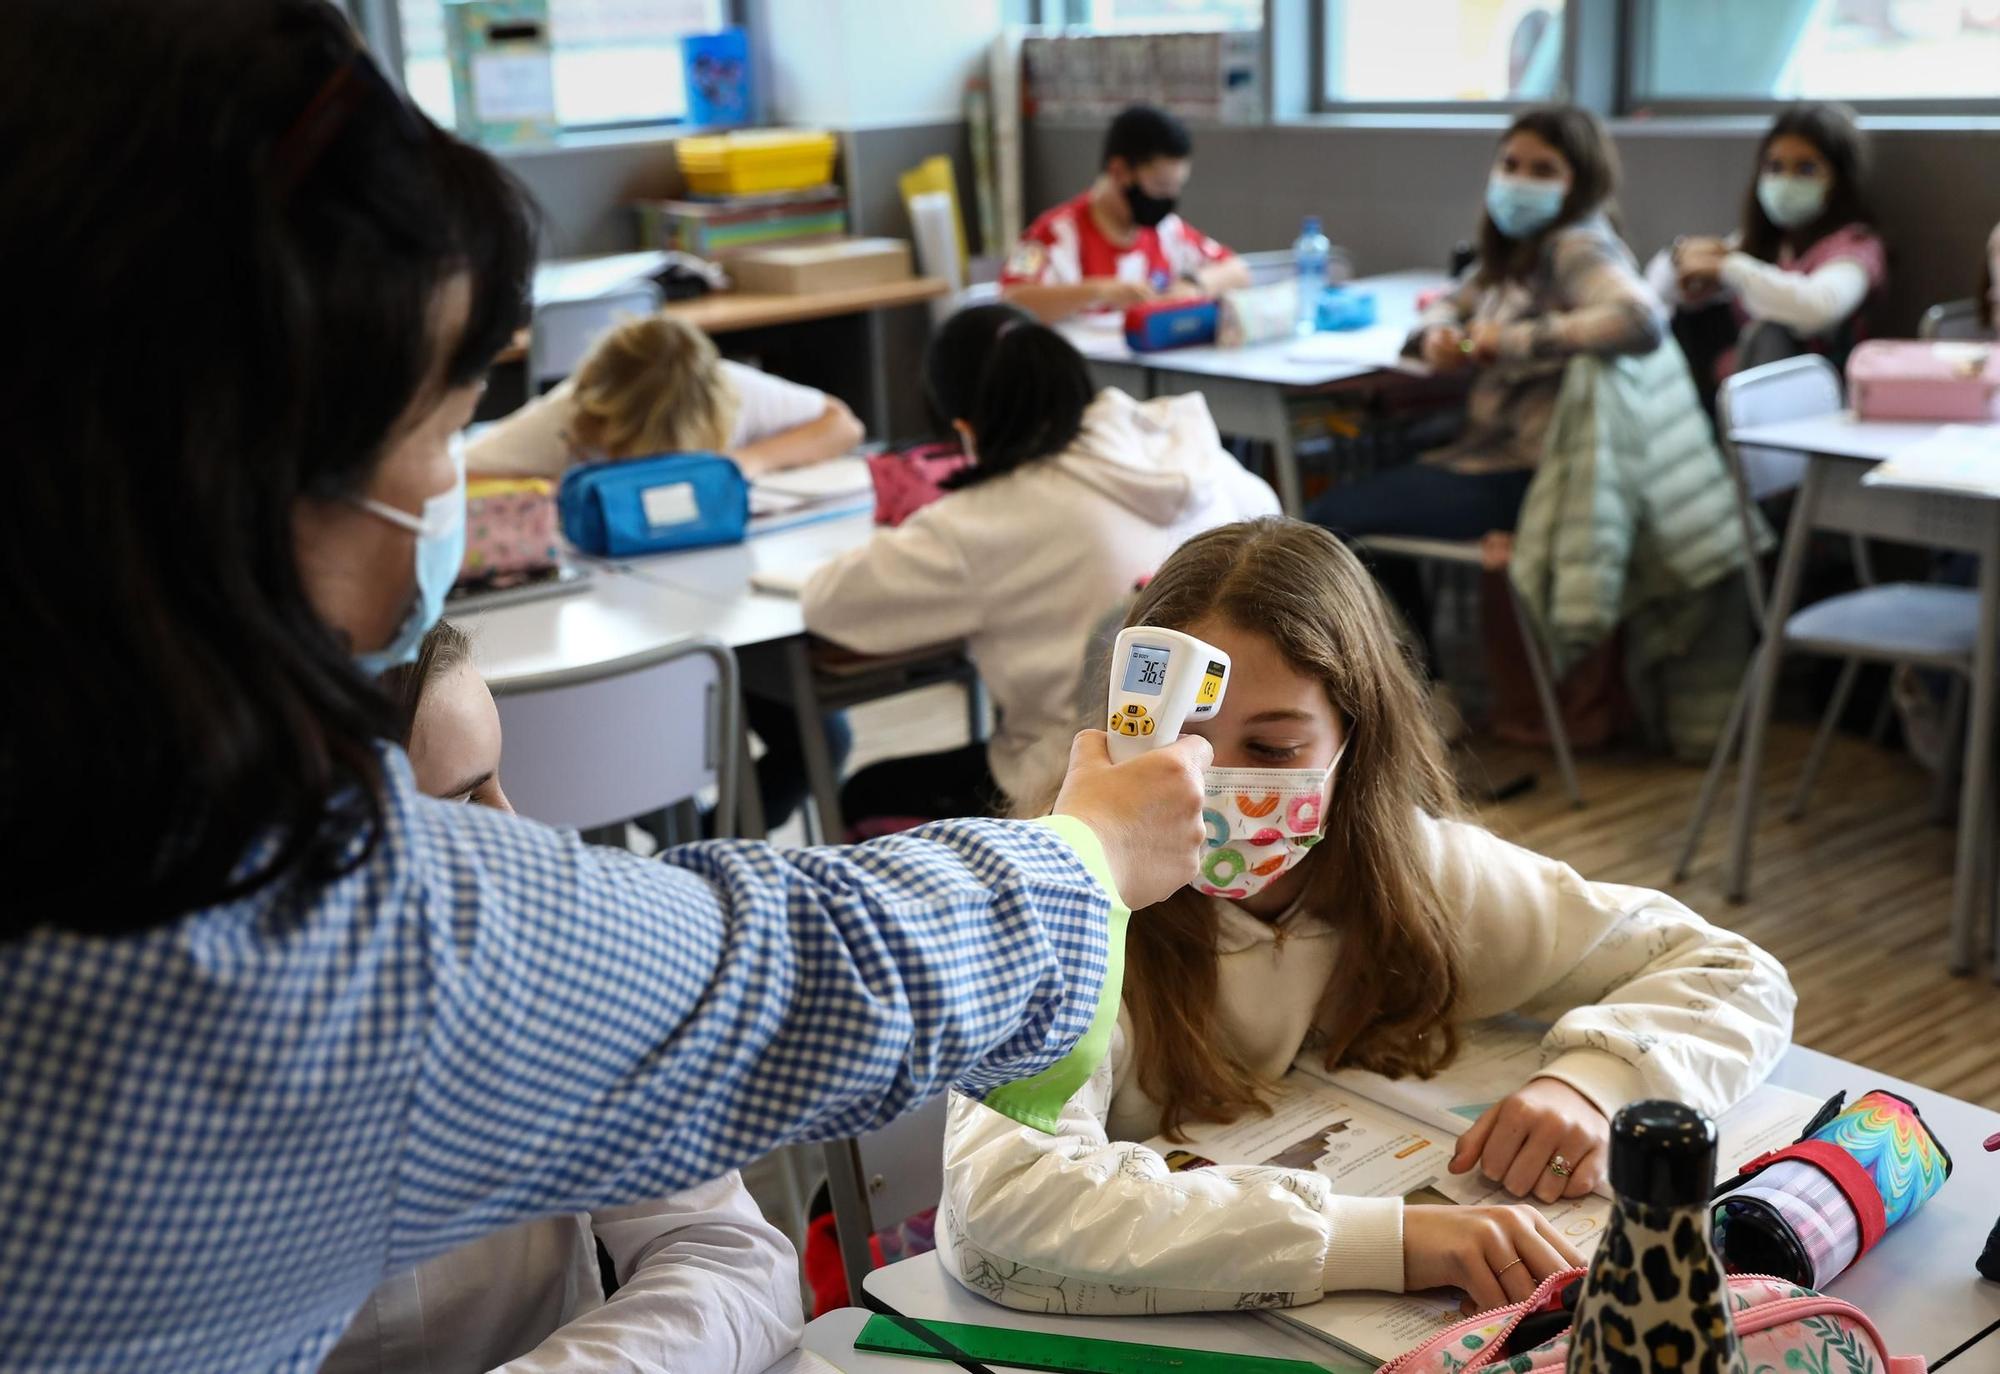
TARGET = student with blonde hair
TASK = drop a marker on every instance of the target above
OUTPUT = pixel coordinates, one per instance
(658, 385)
(1344, 912)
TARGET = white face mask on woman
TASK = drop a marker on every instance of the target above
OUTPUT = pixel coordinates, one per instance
(1791, 201)
(1261, 822)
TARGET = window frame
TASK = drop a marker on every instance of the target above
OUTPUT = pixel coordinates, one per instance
(1318, 33)
(1636, 16)
(380, 23)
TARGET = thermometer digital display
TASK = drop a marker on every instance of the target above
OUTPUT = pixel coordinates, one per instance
(1167, 679)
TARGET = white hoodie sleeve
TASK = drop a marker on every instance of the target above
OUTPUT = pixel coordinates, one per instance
(1807, 303)
(1646, 998)
(1077, 1223)
(705, 1283)
(1665, 278)
(906, 588)
(532, 442)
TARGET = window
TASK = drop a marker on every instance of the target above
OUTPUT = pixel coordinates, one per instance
(616, 61)
(1440, 52)
(1711, 51)
(1160, 15)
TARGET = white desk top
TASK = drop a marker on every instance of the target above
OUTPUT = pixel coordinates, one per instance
(1918, 1285)
(832, 1338)
(723, 573)
(1838, 433)
(614, 618)
(1270, 364)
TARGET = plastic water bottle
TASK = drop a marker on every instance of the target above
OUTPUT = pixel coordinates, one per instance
(1309, 254)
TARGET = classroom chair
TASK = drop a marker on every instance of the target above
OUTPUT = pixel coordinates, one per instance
(878, 1179)
(1466, 554)
(1957, 319)
(595, 747)
(563, 331)
(1925, 625)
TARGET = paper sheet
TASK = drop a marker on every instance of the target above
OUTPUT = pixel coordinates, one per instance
(1962, 458)
(1379, 344)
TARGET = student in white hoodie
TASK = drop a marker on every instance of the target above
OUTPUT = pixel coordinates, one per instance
(697, 1280)
(1346, 914)
(1072, 499)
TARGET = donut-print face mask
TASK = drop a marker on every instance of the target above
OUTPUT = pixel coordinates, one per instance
(1260, 823)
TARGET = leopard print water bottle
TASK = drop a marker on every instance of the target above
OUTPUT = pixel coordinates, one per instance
(1655, 1301)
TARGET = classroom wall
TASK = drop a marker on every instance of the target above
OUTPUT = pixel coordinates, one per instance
(1399, 196)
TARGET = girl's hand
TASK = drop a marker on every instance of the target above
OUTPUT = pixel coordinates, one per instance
(1444, 348)
(1517, 1142)
(1116, 294)
(1485, 340)
(1495, 1254)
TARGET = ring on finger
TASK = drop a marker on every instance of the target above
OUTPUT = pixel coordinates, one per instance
(1502, 1271)
(1560, 1167)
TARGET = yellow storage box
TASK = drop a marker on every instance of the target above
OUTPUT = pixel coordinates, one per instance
(756, 161)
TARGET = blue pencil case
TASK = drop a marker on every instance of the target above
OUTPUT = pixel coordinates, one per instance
(1158, 325)
(1342, 307)
(652, 505)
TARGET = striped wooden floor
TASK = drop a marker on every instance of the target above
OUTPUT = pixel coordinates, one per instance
(1854, 899)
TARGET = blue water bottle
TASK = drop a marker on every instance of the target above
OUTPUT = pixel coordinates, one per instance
(1309, 255)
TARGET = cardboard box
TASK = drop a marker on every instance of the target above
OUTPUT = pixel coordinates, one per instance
(808, 267)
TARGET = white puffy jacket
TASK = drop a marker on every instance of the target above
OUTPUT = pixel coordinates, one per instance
(1646, 1000)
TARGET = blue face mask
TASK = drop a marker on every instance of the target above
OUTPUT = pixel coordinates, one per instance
(1791, 202)
(440, 532)
(1519, 206)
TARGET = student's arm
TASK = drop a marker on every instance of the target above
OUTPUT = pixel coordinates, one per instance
(1053, 303)
(600, 1028)
(1606, 308)
(531, 442)
(704, 1283)
(835, 432)
(1647, 998)
(1202, 261)
(1807, 303)
(1993, 280)
(1230, 273)
(1025, 1213)
(1664, 278)
(781, 424)
(906, 588)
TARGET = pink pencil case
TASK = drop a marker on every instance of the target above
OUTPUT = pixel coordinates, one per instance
(1916, 379)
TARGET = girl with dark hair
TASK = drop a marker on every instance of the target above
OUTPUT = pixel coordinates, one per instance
(1346, 916)
(289, 1025)
(1799, 271)
(1552, 280)
(1071, 498)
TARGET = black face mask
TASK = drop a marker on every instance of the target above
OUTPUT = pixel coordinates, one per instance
(1148, 211)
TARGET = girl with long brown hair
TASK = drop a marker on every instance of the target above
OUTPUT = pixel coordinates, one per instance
(1364, 927)
(1553, 280)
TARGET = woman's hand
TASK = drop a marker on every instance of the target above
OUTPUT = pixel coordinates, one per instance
(1698, 262)
(1146, 812)
(1520, 1142)
(1495, 1254)
(1444, 348)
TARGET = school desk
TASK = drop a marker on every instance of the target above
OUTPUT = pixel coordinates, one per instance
(1840, 450)
(1918, 1285)
(1248, 389)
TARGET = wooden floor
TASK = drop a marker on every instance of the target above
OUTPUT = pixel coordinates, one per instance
(1854, 899)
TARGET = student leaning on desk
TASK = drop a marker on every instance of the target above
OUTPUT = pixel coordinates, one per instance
(1344, 912)
(276, 1024)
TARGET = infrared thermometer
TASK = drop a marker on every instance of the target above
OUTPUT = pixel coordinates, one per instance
(1160, 680)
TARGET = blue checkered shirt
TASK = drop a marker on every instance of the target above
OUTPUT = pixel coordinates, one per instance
(215, 1137)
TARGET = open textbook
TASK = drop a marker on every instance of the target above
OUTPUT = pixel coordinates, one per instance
(1379, 1137)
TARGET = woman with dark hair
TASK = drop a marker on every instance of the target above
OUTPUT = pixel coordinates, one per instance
(275, 1023)
(1798, 273)
(1552, 280)
(1073, 495)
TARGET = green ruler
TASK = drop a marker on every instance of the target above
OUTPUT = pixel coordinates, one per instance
(1001, 1345)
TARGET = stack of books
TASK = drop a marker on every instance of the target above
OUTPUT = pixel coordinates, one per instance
(718, 227)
